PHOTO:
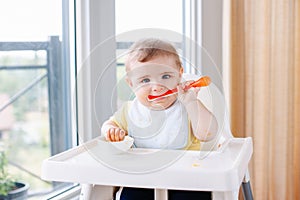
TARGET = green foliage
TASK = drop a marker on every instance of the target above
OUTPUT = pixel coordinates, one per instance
(7, 183)
(13, 81)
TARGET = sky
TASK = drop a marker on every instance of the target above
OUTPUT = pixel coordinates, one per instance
(35, 20)
(29, 20)
(134, 14)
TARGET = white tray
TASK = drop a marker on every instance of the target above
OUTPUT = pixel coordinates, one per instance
(221, 170)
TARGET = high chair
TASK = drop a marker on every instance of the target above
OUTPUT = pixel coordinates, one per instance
(221, 166)
(212, 98)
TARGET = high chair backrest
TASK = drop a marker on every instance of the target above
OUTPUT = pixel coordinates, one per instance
(214, 101)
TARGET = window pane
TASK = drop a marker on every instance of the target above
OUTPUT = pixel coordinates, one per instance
(34, 88)
(142, 14)
(137, 14)
(30, 20)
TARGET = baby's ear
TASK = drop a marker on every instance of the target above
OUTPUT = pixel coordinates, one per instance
(128, 81)
(180, 71)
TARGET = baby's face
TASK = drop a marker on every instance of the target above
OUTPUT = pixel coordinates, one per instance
(154, 77)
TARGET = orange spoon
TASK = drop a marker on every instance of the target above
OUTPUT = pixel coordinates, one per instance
(201, 82)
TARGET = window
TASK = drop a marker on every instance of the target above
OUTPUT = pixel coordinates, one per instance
(139, 14)
(145, 18)
(36, 107)
(194, 26)
(36, 78)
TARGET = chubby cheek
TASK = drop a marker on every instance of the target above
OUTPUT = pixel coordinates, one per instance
(142, 95)
(170, 100)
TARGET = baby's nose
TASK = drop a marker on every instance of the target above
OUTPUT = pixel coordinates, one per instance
(157, 88)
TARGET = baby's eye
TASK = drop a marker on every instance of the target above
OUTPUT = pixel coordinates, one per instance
(166, 76)
(145, 80)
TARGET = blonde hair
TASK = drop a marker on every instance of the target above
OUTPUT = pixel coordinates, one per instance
(147, 49)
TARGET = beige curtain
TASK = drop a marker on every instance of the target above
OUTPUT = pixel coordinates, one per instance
(265, 92)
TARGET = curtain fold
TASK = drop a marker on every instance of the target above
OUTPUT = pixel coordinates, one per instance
(265, 70)
(296, 104)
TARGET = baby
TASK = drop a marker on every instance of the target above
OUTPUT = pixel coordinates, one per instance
(178, 121)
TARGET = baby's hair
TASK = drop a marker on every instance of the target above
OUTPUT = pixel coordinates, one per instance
(147, 49)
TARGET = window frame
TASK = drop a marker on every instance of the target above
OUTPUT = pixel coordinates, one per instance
(90, 37)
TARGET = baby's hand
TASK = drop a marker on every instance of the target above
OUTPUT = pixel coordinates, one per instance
(115, 134)
(187, 94)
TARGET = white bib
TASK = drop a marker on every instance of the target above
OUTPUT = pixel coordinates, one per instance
(159, 129)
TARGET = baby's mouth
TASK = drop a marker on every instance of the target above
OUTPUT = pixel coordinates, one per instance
(158, 96)
(159, 99)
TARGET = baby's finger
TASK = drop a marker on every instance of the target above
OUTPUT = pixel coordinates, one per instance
(108, 134)
(122, 135)
(117, 135)
(180, 89)
(187, 84)
(112, 134)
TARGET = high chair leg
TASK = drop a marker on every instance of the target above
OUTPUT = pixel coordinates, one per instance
(247, 191)
(96, 192)
(161, 194)
(246, 187)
